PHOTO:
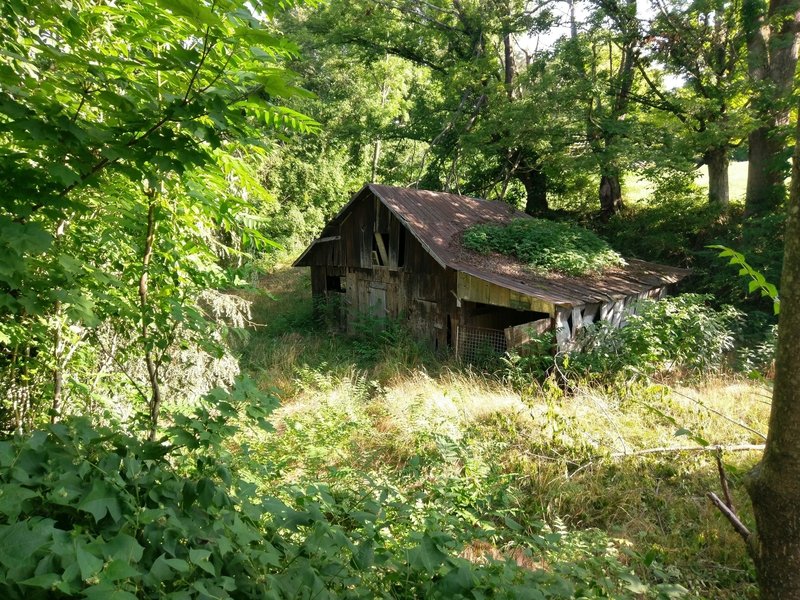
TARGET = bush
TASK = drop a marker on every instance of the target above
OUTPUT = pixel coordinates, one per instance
(91, 512)
(680, 332)
(545, 246)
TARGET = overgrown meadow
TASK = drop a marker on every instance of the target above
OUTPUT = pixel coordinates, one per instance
(581, 478)
(179, 420)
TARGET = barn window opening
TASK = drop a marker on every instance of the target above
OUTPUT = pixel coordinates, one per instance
(498, 317)
(334, 283)
(380, 257)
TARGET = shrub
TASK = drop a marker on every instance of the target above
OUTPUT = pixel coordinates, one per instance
(93, 512)
(88, 511)
(545, 246)
(680, 332)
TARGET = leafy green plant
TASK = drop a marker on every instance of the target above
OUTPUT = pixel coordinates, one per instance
(90, 511)
(757, 281)
(546, 246)
(379, 338)
(536, 357)
(680, 332)
(126, 134)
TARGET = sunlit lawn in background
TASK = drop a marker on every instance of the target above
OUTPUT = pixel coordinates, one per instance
(638, 189)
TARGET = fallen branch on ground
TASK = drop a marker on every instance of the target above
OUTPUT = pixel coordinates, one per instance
(672, 449)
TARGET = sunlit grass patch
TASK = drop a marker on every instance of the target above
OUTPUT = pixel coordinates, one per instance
(617, 469)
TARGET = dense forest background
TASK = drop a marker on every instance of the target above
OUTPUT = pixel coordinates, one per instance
(178, 419)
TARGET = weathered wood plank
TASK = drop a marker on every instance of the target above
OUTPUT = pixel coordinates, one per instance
(382, 254)
(520, 334)
(589, 313)
(577, 320)
(394, 242)
(477, 290)
(561, 326)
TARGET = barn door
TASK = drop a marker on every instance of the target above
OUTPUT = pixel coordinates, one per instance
(377, 302)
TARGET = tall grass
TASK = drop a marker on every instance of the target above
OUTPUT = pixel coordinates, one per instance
(474, 446)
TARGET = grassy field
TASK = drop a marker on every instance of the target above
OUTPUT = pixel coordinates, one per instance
(602, 466)
(637, 189)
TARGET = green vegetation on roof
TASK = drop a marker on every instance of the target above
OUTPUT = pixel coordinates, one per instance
(545, 246)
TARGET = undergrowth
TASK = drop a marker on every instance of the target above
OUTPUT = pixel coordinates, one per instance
(682, 334)
(678, 231)
(545, 246)
(378, 477)
(599, 481)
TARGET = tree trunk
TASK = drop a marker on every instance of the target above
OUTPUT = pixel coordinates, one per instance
(610, 193)
(376, 156)
(535, 182)
(573, 23)
(154, 404)
(774, 485)
(717, 160)
(510, 69)
(772, 50)
(766, 171)
(58, 371)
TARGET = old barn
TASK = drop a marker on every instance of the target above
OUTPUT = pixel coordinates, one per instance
(397, 252)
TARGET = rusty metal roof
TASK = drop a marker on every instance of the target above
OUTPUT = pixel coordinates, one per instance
(437, 220)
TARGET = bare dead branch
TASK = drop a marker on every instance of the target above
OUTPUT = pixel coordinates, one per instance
(723, 480)
(730, 515)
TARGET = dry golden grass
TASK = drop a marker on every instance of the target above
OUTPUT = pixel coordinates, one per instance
(572, 457)
(479, 551)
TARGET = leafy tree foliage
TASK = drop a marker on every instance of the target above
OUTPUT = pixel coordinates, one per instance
(703, 43)
(368, 133)
(467, 50)
(772, 31)
(123, 129)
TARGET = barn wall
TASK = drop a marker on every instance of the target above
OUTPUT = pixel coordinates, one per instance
(477, 290)
(369, 264)
(422, 292)
(385, 273)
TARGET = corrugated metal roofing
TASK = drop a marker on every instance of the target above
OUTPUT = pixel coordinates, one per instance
(437, 220)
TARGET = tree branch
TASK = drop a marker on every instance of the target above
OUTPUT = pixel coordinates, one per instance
(730, 515)
(723, 479)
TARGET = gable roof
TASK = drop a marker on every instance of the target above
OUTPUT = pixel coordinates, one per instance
(437, 220)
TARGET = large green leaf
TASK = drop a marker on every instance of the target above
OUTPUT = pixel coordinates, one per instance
(88, 563)
(12, 498)
(102, 500)
(123, 547)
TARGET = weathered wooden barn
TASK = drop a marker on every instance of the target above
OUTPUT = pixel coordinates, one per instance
(396, 252)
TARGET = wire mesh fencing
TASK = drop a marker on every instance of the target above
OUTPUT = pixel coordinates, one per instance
(478, 344)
